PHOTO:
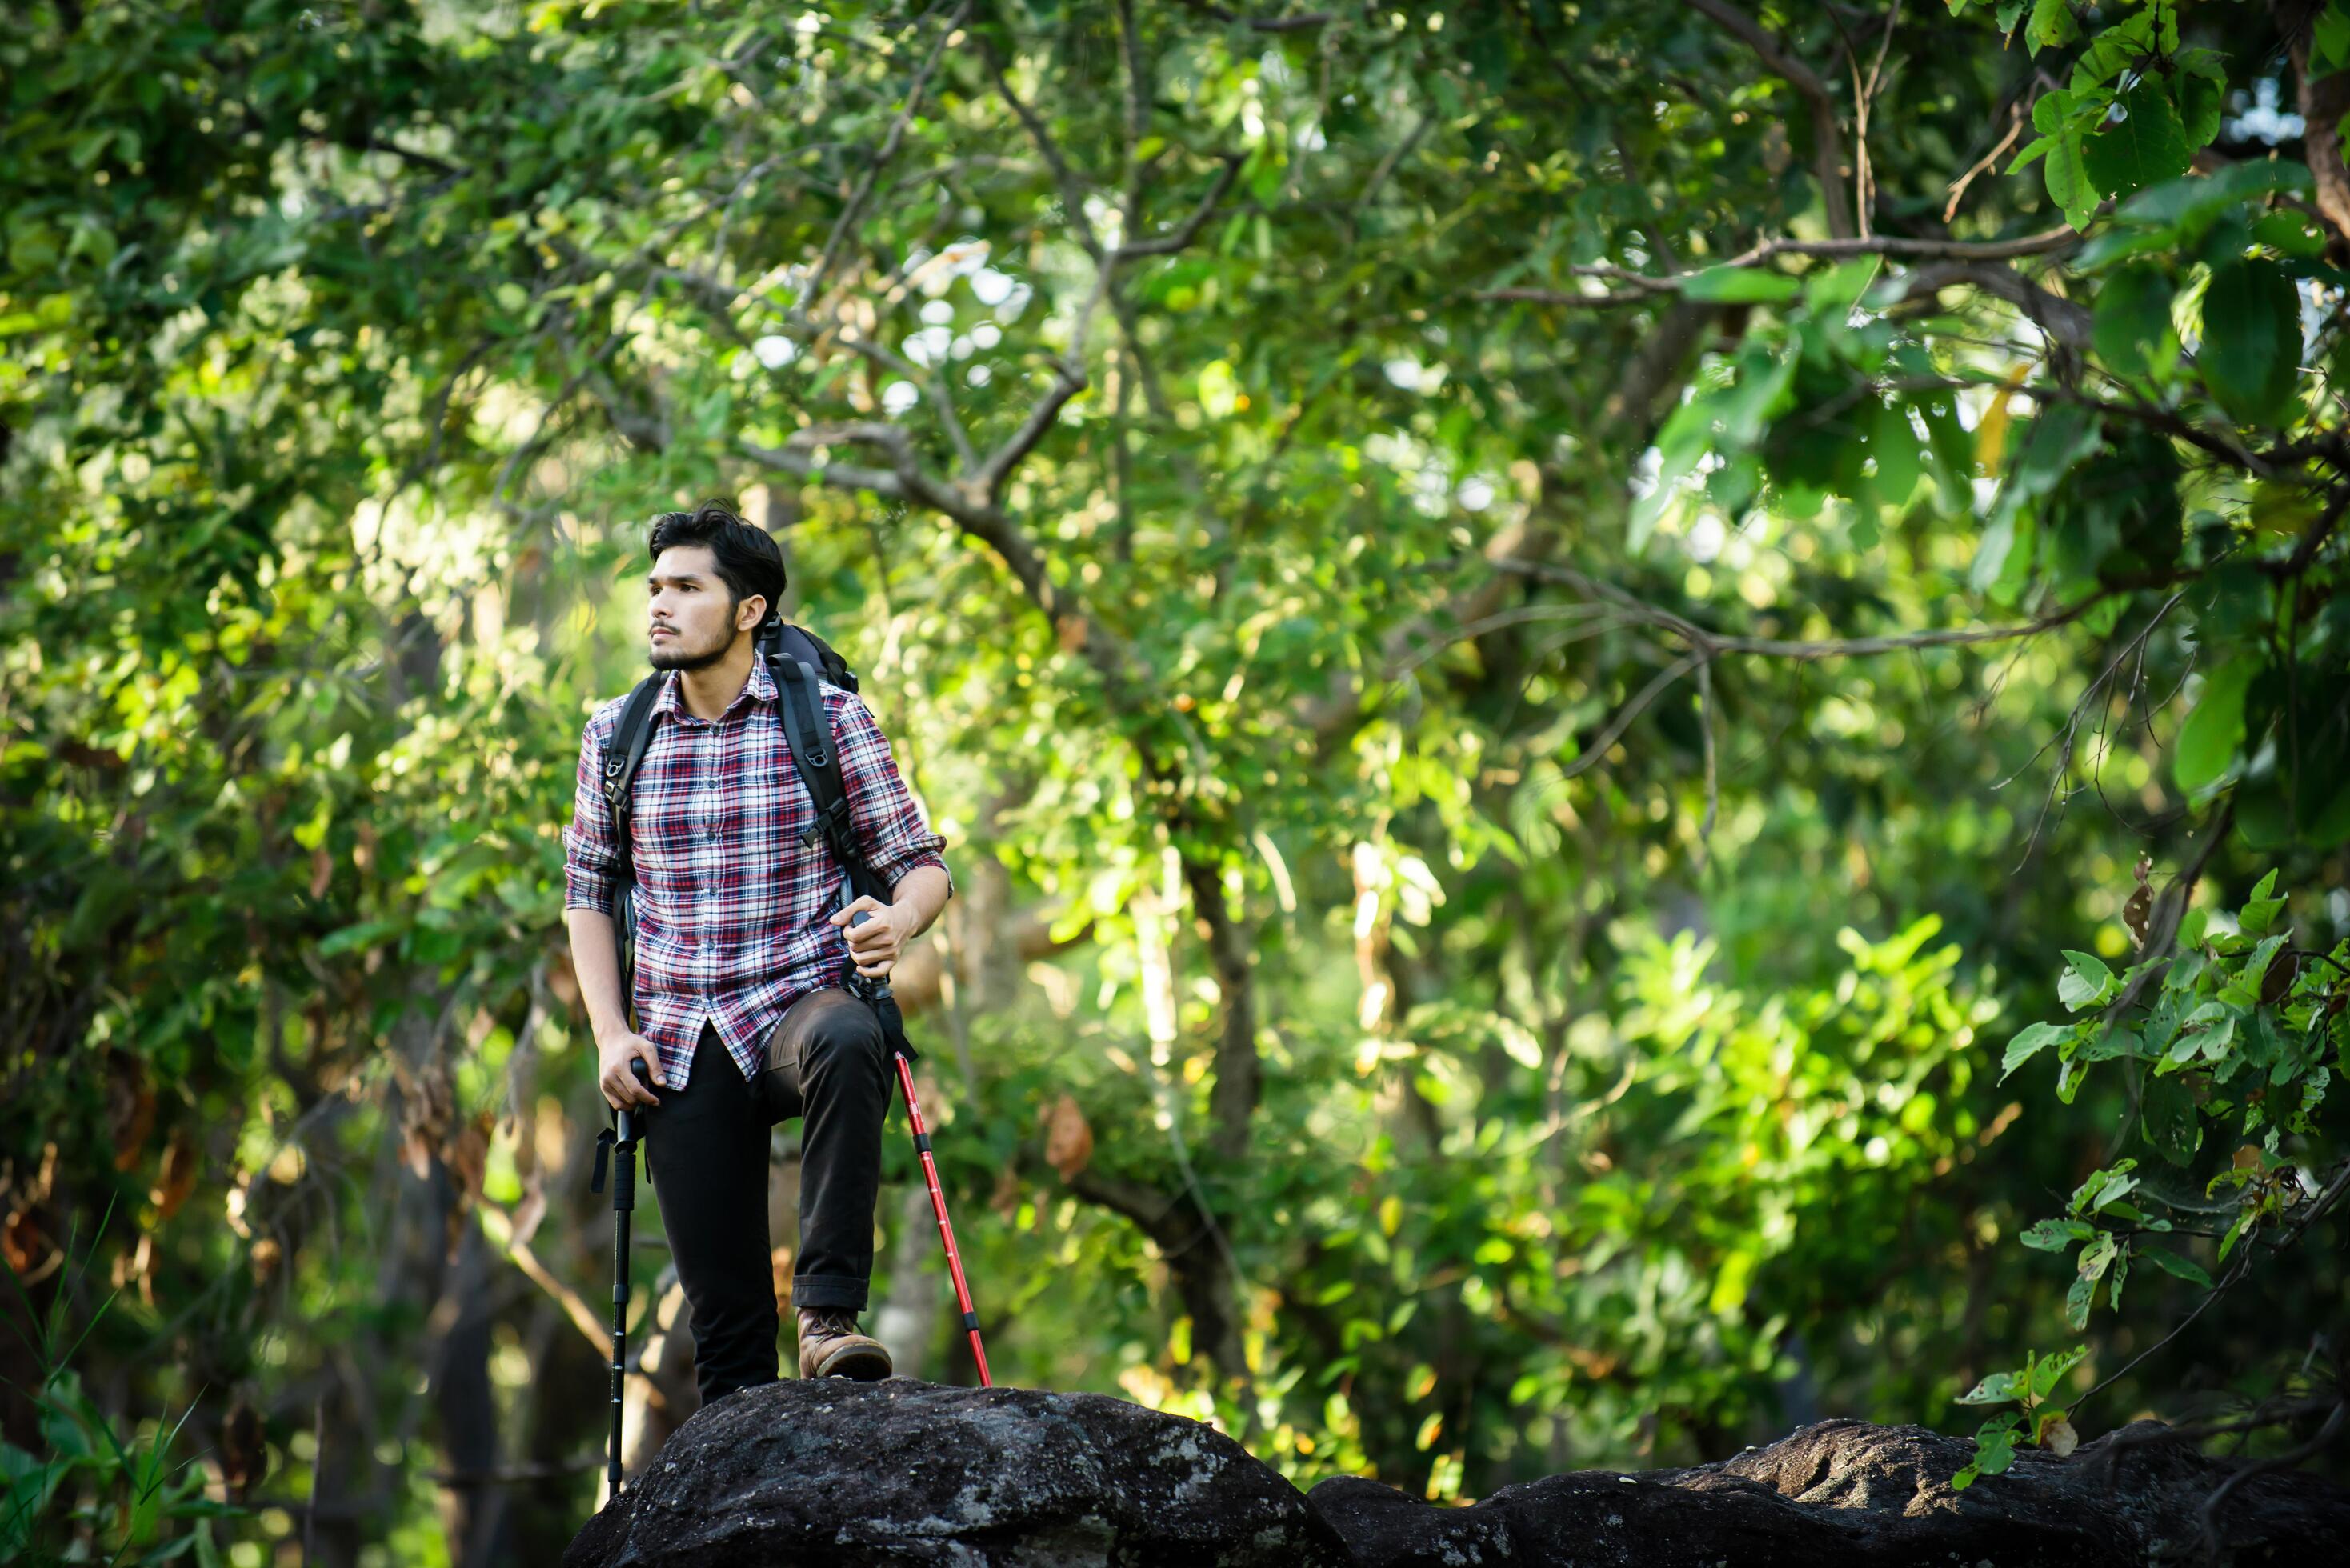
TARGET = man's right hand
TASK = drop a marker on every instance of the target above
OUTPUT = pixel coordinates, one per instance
(620, 1087)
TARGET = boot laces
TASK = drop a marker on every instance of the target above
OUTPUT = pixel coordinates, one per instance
(831, 1321)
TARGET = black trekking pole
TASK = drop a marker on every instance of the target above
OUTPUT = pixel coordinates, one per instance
(877, 995)
(624, 1202)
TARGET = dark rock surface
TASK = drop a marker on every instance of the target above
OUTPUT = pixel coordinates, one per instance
(851, 1474)
(1846, 1492)
(834, 1472)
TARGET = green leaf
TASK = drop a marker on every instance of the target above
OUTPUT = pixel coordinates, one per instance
(2208, 740)
(2133, 318)
(2260, 910)
(1894, 445)
(1830, 293)
(2243, 1222)
(2085, 981)
(2052, 112)
(365, 934)
(1739, 286)
(2149, 144)
(2178, 1267)
(2170, 1124)
(2329, 41)
(2078, 1300)
(2291, 233)
(2045, 1374)
(2250, 357)
(2033, 151)
(1998, 1388)
(2189, 204)
(2055, 1235)
(2051, 24)
(2069, 185)
(2029, 1043)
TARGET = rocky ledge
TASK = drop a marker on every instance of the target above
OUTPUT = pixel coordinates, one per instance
(845, 1474)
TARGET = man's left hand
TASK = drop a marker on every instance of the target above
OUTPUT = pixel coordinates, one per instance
(876, 944)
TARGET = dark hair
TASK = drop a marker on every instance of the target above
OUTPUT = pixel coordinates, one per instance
(748, 559)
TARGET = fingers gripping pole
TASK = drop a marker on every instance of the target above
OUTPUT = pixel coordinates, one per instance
(946, 1227)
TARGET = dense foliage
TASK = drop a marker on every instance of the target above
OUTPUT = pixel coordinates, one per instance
(1612, 685)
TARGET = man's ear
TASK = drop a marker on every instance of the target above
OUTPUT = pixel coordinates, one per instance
(750, 613)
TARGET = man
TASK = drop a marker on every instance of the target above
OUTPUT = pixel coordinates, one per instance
(741, 951)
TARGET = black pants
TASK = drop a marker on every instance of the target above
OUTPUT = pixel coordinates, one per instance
(706, 1146)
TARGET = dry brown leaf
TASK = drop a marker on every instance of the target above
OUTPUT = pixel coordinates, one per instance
(1005, 1199)
(427, 1108)
(244, 1448)
(23, 1242)
(469, 1155)
(177, 1179)
(129, 1107)
(2139, 910)
(1069, 1142)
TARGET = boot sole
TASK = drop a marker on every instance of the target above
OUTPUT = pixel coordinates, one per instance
(856, 1362)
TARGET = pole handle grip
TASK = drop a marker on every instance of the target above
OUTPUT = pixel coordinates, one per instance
(872, 988)
(629, 1127)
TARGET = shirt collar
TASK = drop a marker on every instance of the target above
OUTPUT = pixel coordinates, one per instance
(760, 688)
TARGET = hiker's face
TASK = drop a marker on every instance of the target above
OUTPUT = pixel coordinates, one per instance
(688, 624)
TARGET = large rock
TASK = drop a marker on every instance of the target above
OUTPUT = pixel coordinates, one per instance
(1846, 1492)
(849, 1474)
(838, 1473)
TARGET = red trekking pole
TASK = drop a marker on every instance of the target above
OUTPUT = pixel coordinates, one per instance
(938, 1206)
(876, 994)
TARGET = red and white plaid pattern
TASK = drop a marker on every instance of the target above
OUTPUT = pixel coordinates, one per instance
(732, 911)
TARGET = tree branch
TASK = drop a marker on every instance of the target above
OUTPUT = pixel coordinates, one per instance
(1712, 645)
(1069, 377)
(1642, 286)
(1073, 194)
(881, 159)
(2324, 103)
(1628, 420)
(2059, 317)
(1827, 148)
(1183, 234)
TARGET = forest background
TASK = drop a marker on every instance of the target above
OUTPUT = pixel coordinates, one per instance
(1641, 710)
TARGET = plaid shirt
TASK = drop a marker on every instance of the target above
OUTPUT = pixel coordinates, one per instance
(732, 912)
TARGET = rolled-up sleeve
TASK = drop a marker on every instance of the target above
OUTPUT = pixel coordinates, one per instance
(588, 855)
(883, 815)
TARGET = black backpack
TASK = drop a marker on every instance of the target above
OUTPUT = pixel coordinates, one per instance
(797, 658)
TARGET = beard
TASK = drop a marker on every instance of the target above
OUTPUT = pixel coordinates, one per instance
(676, 658)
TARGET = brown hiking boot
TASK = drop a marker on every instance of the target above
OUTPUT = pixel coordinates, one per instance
(830, 1346)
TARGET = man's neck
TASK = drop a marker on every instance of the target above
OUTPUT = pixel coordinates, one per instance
(708, 692)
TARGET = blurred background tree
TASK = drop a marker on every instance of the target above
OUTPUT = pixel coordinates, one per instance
(1531, 628)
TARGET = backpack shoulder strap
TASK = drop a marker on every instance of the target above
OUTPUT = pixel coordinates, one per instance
(621, 757)
(817, 759)
(622, 753)
(817, 762)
